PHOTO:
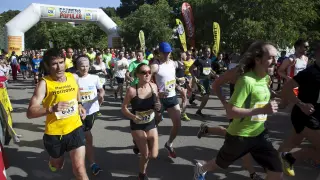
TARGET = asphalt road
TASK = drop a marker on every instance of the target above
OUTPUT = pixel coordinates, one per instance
(113, 144)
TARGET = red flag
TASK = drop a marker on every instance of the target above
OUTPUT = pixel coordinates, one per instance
(189, 22)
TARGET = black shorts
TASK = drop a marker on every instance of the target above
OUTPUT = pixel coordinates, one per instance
(57, 145)
(259, 147)
(144, 127)
(300, 120)
(169, 102)
(89, 121)
(120, 80)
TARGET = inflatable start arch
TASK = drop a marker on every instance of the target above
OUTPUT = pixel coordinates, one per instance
(16, 27)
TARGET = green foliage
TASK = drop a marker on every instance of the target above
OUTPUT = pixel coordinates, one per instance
(154, 20)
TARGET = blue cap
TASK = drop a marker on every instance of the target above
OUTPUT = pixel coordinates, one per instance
(165, 47)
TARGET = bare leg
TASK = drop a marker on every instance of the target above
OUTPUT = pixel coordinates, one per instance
(78, 163)
(89, 147)
(174, 114)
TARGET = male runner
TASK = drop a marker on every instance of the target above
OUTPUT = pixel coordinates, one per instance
(202, 76)
(35, 67)
(165, 75)
(69, 61)
(132, 68)
(24, 59)
(296, 62)
(60, 98)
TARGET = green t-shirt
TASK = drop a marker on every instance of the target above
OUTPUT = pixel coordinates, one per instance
(106, 58)
(91, 56)
(250, 92)
(132, 67)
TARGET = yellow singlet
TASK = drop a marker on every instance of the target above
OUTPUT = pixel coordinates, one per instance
(187, 65)
(64, 122)
(69, 63)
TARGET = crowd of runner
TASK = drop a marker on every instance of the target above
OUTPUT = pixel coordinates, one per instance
(71, 84)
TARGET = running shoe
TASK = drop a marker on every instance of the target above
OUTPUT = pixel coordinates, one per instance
(170, 150)
(197, 175)
(53, 169)
(255, 176)
(95, 169)
(99, 113)
(199, 113)
(287, 164)
(143, 176)
(203, 130)
(185, 117)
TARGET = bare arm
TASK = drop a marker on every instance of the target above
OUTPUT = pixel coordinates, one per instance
(35, 109)
(223, 79)
(191, 70)
(282, 71)
(126, 101)
(154, 68)
(236, 112)
(287, 92)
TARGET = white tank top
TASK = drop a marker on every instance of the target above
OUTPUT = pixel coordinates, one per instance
(166, 78)
(298, 65)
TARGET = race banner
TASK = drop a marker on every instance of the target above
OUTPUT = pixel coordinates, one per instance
(182, 34)
(216, 37)
(74, 14)
(142, 40)
(189, 22)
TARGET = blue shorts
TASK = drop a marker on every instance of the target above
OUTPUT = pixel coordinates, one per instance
(23, 68)
(35, 70)
(169, 102)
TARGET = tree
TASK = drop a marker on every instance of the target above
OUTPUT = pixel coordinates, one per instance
(129, 6)
(110, 11)
(4, 18)
(154, 20)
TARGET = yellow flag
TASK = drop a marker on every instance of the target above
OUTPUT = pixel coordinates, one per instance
(216, 37)
(142, 40)
(182, 34)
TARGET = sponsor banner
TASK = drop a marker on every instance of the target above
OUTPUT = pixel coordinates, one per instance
(15, 44)
(116, 42)
(142, 41)
(216, 37)
(70, 13)
(189, 22)
(182, 34)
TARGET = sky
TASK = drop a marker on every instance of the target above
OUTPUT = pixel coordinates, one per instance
(22, 4)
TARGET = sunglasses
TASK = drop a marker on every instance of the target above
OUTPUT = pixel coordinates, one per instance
(145, 72)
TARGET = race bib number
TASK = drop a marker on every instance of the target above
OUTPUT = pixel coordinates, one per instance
(182, 81)
(87, 96)
(70, 111)
(259, 117)
(146, 116)
(206, 70)
(37, 66)
(102, 80)
(170, 85)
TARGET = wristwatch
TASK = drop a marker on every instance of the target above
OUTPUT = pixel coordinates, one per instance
(80, 103)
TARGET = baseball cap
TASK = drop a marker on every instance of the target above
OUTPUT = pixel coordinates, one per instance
(165, 47)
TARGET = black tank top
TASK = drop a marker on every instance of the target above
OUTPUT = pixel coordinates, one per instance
(139, 104)
(180, 70)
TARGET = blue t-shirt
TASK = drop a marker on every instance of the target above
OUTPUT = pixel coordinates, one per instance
(36, 64)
